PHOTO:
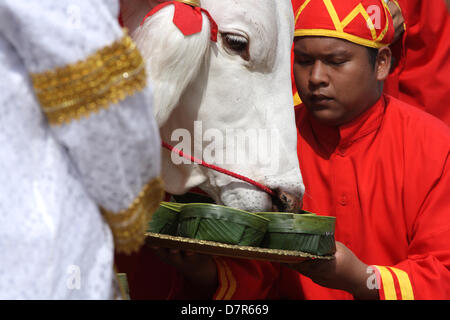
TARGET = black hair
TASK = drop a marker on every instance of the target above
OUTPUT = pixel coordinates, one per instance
(373, 54)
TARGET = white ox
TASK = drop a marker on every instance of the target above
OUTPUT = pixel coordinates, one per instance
(240, 82)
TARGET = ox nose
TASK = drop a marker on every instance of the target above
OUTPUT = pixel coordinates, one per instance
(286, 202)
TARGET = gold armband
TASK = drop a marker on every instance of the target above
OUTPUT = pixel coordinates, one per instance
(77, 90)
(129, 226)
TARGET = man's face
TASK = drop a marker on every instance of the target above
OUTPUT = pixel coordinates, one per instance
(335, 78)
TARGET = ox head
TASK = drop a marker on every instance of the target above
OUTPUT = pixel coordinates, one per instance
(228, 102)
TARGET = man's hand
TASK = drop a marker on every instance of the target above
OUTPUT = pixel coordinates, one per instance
(345, 272)
(398, 18)
(199, 270)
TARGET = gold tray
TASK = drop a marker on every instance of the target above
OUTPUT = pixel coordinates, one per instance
(228, 250)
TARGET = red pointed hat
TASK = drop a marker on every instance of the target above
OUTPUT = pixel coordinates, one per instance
(364, 22)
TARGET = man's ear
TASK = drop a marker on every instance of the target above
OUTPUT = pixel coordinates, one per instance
(383, 64)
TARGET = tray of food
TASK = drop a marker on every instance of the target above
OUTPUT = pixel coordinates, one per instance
(224, 231)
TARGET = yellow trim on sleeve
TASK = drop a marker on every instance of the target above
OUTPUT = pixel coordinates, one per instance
(227, 282)
(387, 281)
(223, 282)
(232, 282)
(404, 283)
(108, 76)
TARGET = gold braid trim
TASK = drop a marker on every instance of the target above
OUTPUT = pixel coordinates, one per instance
(129, 226)
(77, 90)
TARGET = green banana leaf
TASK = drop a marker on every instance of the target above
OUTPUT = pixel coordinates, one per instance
(221, 224)
(165, 218)
(306, 232)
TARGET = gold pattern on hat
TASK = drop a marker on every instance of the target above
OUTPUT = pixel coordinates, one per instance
(195, 3)
(77, 90)
(339, 25)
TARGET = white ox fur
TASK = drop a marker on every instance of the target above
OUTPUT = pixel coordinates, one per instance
(195, 79)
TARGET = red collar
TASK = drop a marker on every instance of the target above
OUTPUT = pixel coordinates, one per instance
(340, 138)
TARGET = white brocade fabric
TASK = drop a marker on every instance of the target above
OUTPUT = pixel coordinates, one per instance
(54, 242)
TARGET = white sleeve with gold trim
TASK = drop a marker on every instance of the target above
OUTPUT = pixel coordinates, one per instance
(90, 82)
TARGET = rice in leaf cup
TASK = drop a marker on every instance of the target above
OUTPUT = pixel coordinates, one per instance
(305, 232)
(221, 224)
(165, 218)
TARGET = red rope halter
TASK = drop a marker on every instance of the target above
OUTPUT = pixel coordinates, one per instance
(219, 169)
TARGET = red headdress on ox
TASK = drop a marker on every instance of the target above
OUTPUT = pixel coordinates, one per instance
(187, 17)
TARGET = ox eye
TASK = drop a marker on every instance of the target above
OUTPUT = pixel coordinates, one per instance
(237, 44)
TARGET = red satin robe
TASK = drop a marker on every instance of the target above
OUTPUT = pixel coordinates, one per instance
(421, 77)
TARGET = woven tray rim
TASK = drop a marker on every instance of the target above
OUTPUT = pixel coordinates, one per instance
(236, 251)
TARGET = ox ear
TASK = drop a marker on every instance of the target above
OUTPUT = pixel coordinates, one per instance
(173, 60)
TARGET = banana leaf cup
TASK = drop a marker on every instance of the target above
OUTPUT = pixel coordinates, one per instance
(305, 232)
(165, 218)
(221, 224)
